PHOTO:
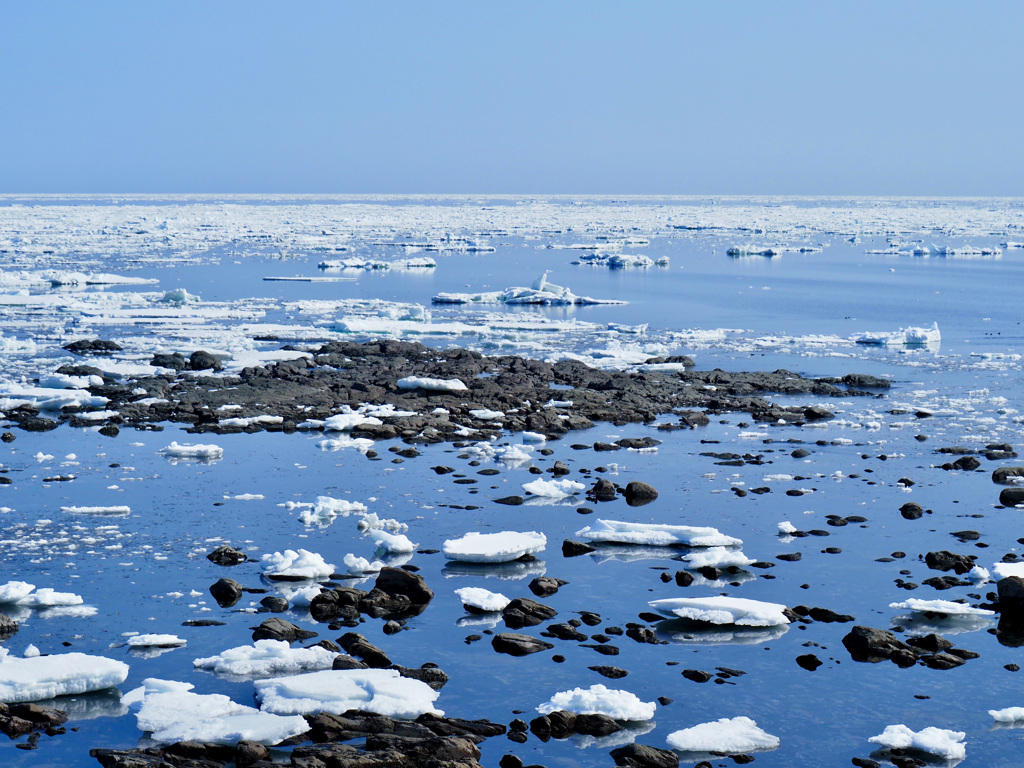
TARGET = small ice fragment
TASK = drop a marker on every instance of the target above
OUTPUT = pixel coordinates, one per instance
(936, 741)
(392, 543)
(655, 535)
(188, 451)
(729, 735)
(360, 565)
(553, 489)
(113, 510)
(301, 564)
(482, 599)
(786, 528)
(1008, 715)
(155, 641)
(13, 591)
(717, 557)
(600, 700)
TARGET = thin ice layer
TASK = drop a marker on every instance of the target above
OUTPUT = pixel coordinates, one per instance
(501, 547)
(382, 691)
(65, 674)
(730, 734)
(740, 611)
(599, 700)
(935, 741)
(652, 534)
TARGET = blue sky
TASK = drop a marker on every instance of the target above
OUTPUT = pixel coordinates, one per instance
(862, 98)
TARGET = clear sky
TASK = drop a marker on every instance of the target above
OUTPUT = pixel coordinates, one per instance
(902, 97)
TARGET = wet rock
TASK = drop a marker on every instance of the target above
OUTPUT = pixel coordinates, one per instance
(613, 673)
(943, 560)
(545, 586)
(518, 645)
(274, 604)
(340, 602)
(19, 719)
(828, 616)
(863, 762)
(642, 635)
(175, 361)
(697, 675)
(932, 643)
(510, 501)
(800, 453)
(596, 725)
(1011, 598)
(1011, 497)
(523, 612)
(201, 360)
(559, 469)
(8, 627)
(789, 557)
(603, 490)
(637, 494)
(808, 661)
(356, 645)
(571, 548)
(564, 632)
(642, 756)
(684, 578)
(397, 582)
(8, 437)
(279, 629)
(637, 443)
(430, 674)
(343, 661)
(941, 661)
(225, 555)
(226, 592)
(965, 463)
(817, 413)
(250, 753)
(873, 645)
(92, 347)
(911, 511)
(1007, 475)
(945, 582)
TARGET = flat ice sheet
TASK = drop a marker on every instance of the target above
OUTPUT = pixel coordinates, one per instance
(501, 547)
(651, 534)
(382, 691)
(740, 611)
(267, 658)
(64, 674)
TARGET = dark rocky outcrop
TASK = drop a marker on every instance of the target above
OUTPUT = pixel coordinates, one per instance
(642, 756)
(279, 629)
(518, 645)
(226, 592)
(225, 555)
(524, 612)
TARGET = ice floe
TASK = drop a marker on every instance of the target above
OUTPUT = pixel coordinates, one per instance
(482, 600)
(729, 735)
(392, 543)
(652, 534)
(267, 658)
(716, 557)
(553, 489)
(947, 607)
(64, 674)
(382, 691)
(155, 641)
(326, 509)
(296, 564)
(940, 742)
(541, 292)
(904, 336)
(740, 611)
(111, 510)
(1003, 570)
(1008, 715)
(500, 547)
(196, 451)
(600, 700)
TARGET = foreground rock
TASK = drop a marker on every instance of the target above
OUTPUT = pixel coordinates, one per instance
(349, 374)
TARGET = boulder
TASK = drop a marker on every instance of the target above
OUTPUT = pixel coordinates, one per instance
(545, 586)
(226, 592)
(603, 490)
(642, 756)
(524, 612)
(225, 555)
(279, 629)
(911, 511)
(948, 561)
(873, 645)
(1006, 475)
(1008, 497)
(518, 645)
(358, 646)
(201, 360)
(637, 494)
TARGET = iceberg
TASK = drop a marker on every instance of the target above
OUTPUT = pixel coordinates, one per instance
(382, 691)
(64, 674)
(267, 658)
(740, 611)
(935, 741)
(651, 534)
(296, 565)
(904, 336)
(729, 735)
(599, 700)
(501, 547)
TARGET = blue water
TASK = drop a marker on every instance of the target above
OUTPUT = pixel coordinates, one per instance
(823, 718)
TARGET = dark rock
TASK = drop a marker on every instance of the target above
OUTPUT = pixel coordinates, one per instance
(523, 612)
(603, 490)
(800, 453)
(828, 616)
(817, 413)
(226, 592)
(642, 635)
(175, 361)
(1006, 475)
(545, 586)
(279, 629)
(613, 673)
(274, 604)
(343, 661)
(873, 645)
(966, 463)
(941, 661)
(518, 645)
(808, 661)
(430, 674)
(572, 548)
(8, 437)
(948, 561)
(637, 494)
(789, 557)
(637, 443)
(250, 753)
(225, 555)
(911, 511)
(642, 756)
(945, 582)
(510, 501)
(92, 347)
(201, 360)
(355, 644)
(863, 762)
(8, 627)
(1011, 598)
(398, 582)
(931, 643)
(1008, 497)
(684, 578)
(596, 725)
(697, 675)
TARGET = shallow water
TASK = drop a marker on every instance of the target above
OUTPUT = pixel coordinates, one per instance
(776, 310)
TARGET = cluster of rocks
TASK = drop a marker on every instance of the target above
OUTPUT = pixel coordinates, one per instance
(868, 644)
(16, 720)
(351, 374)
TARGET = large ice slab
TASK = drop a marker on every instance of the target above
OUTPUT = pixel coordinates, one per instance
(296, 564)
(64, 674)
(267, 658)
(740, 611)
(501, 547)
(911, 335)
(186, 451)
(383, 691)
(730, 734)
(1002, 570)
(599, 700)
(935, 741)
(651, 534)
(948, 607)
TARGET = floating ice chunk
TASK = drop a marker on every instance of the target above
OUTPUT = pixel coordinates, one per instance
(46, 597)
(343, 422)
(360, 565)
(482, 599)
(328, 508)
(534, 437)
(1008, 715)
(740, 611)
(361, 444)
(514, 454)
(392, 543)
(978, 575)
(249, 421)
(196, 451)
(652, 534)
(487, 415)
(382, 691)
(155, 641)
(31, 652)
(500, 547)
(947, 607)
(292, 564)
(301, 597)
(180, 296)
(786, 528)
(113, 510)
(553, 489)
(717, 557)
(1002, 570)
(432, 385)
(911, 335)
(65, 674)
(599, 700)
(267, 658)
(372, 522)
(730, 735)
(935, 741)
(14, 591)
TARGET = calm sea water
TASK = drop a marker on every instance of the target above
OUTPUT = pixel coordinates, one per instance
(132, 568)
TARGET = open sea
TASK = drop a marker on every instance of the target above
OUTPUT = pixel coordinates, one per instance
(260, 272)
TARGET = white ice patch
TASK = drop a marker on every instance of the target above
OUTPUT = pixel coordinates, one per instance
(1003, 570)
(946, 607)
(65, 674)
(392, 543)
(501, 547)
(196, 451)
(487, 415)
(432, 385)
(599, 700)
(359, 565)
(1008, 715)
(46, 598)
(651, 534)
(155, 641)
(482, 599)
(112, 510)
(326, 509)
(730, 735)
(296, 564)
(786, 528)
(553, 489)
(382, 691)
(717, 557)
(267, 658)
(740, 611)
(904, 336)
(935, 741)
